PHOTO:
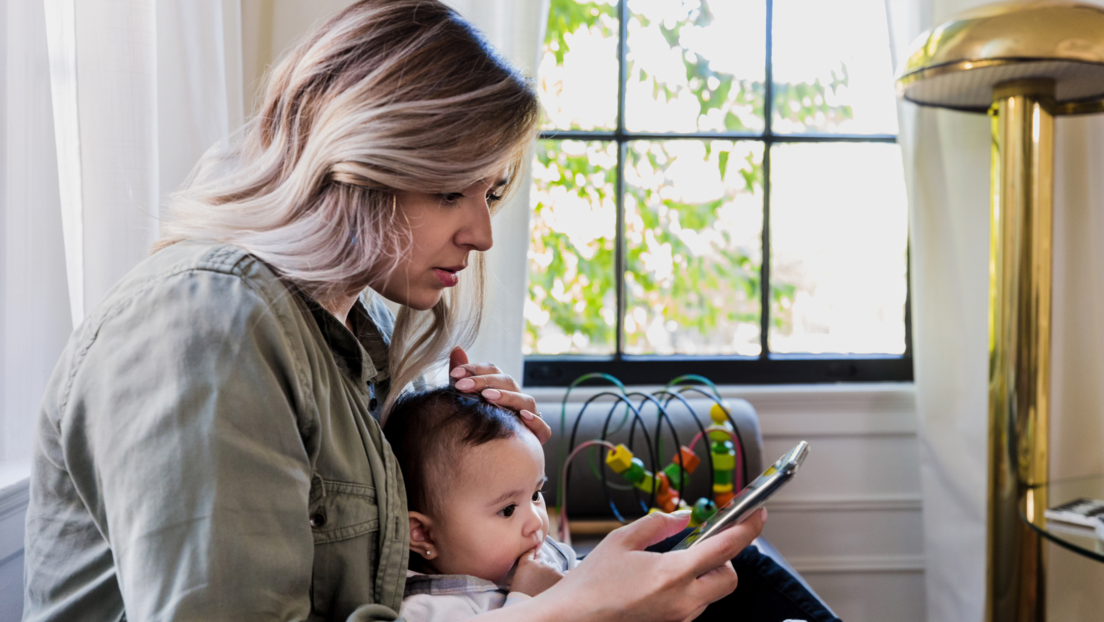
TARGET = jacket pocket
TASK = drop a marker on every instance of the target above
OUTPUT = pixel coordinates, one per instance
(345, 510)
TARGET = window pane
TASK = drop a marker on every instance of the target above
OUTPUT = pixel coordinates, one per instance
(572, 303)
(839, 229)
(694, 222)
(695, 65)
(831, 68)
(577, 78)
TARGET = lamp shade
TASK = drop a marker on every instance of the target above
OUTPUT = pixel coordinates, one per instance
(957, 64)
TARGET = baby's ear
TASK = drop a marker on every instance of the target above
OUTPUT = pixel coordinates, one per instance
(421, 535)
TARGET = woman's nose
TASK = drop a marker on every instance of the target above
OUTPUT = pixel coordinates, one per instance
(476, 233)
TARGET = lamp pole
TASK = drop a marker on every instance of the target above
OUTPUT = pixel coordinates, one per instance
(1021, 217)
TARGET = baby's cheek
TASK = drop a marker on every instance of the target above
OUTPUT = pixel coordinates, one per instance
(505, 568)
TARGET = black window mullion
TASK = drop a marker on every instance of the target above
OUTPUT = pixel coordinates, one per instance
(619, 183)
(764, 265)
(620, 250)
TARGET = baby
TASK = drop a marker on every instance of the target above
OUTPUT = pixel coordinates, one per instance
(478, 524)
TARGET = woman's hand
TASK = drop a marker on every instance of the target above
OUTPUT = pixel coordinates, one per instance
(497, 388)
(533, 576)
(621, 581)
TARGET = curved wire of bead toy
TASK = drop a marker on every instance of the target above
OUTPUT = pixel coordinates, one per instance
(665, 488)
(605, 432)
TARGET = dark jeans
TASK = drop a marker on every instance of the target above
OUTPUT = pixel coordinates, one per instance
(766, 592)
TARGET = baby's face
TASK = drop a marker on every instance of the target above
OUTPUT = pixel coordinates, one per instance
(494, 508)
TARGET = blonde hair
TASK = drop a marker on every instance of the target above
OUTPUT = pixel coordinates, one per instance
(387, 96)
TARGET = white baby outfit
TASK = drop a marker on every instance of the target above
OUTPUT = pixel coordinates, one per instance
(450, 597)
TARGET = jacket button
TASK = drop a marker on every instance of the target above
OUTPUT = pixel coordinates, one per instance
(318, 519)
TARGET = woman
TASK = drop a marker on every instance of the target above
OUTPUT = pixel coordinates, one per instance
(208, 446)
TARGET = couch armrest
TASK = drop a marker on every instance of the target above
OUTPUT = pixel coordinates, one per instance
(586, 498)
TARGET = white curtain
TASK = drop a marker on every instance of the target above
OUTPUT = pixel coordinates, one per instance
(139, 92)
(946, 157)
(516, 28)
(107, 105)
(34, 301)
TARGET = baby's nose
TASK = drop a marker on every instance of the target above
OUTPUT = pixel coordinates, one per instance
(533, 523)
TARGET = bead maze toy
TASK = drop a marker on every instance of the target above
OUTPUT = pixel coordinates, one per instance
(665, 487)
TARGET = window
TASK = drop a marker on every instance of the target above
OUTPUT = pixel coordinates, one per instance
(718, 190)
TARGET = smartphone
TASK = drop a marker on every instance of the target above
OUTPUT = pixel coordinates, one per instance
(749, 499)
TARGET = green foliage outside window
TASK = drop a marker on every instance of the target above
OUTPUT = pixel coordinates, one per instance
(692, 274)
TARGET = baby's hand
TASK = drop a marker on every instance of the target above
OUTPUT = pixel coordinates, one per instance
(534, 576)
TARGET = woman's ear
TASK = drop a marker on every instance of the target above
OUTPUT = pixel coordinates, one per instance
(421, 535)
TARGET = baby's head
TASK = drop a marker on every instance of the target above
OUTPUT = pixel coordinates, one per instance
(473, 475)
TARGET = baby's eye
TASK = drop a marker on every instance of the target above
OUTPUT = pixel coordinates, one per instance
(537, 496)
(507, 511)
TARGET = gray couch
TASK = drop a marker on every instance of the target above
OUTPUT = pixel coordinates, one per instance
(586, 499)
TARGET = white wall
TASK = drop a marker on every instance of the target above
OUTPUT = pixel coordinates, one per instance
(1075, 584)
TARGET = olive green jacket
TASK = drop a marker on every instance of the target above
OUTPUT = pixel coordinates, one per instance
(206, 451)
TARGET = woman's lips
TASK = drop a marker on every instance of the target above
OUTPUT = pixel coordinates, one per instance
(448, 278)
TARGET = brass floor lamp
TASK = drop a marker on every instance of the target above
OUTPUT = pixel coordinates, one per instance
(1023, 63)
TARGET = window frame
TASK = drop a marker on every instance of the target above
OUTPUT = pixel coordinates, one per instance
(557, 370)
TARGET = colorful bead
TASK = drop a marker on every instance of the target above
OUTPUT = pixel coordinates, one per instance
(662, 483)
(667, 499)
(717, 413)
(619, 459)
(676, 476)
(723, 498)
(636, 471)
(702, 511)
(724, 462)
(690, 460)
(646, 483)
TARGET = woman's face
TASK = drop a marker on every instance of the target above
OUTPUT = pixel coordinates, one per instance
(444, 228)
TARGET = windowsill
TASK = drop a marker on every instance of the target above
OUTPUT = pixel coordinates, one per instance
(755, 393)
(14, 497)
(15, 476)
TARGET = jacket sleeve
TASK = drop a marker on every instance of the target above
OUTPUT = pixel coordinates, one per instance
(184, 436)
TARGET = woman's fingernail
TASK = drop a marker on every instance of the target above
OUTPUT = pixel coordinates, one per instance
(491, 394)
(465, 384)
(458, 372)
(526, 415)
(763, 513)
(680, 513)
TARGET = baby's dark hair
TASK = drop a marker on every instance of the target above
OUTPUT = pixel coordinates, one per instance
(427, 430)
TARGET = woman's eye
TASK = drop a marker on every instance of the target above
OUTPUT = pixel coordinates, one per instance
(451, 197)
(494, 198)
(508, 511)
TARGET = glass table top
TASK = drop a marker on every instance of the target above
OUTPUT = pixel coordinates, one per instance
(1081, 540)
